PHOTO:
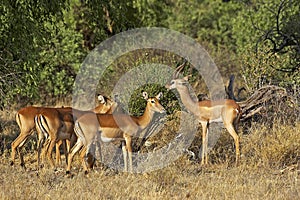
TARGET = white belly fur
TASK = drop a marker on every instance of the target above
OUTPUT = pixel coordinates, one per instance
(106, 139)
(216, 120)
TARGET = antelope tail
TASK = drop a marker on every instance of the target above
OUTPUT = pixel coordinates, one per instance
(79, 133)
(18, 120)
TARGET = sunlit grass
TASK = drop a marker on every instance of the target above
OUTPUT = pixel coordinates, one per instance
(269, 169)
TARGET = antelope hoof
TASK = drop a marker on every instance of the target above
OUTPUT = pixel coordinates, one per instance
(23, 165)
(41, 166)
(69, 175)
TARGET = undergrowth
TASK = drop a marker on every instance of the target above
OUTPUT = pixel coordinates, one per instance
(266, 153)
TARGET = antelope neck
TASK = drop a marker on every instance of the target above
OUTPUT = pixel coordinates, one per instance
(187, 100)
(145, 119)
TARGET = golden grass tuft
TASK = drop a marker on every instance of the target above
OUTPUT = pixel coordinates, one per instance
(275, 147)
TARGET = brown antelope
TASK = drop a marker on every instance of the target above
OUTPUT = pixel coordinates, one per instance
(25, 119)
(113, 127)
(59, 126)
(47, 122)
(226, 111)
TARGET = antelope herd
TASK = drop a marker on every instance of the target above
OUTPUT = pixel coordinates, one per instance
(79, 130)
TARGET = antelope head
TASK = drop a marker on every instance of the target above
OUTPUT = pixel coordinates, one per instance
(153, 103)
(178, 82)
(106, 104)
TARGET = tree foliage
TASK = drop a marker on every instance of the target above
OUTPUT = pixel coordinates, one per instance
(43, 43)
(268, 41)
(23, 33)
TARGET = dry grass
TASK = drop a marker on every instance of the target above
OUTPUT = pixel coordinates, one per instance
(176, 182)
(269, 169)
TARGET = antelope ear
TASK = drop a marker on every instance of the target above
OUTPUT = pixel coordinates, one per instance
(160, 95)
(186, 78)
(116, 98)
(145, 95)
(101, 99)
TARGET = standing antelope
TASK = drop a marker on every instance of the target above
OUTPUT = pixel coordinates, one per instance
(58, 126)
(113, 127)
(55, 126)
(226, 111)
(25, 119)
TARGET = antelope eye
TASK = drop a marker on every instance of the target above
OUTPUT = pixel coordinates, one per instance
(172, 82)
(152, 101)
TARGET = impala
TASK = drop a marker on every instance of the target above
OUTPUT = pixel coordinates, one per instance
(57, 126)
(110, 127)
(226, 111)
(25, 119)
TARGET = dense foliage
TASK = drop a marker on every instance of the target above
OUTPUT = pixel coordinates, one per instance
(43, 43)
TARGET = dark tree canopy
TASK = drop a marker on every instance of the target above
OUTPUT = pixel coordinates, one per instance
(44, 42)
